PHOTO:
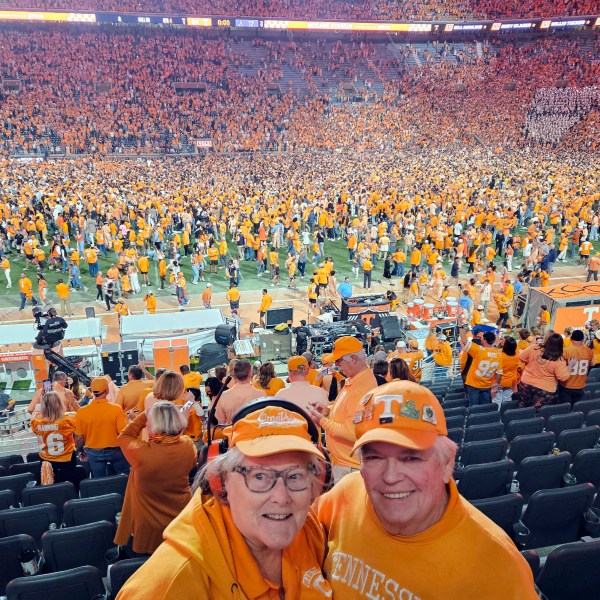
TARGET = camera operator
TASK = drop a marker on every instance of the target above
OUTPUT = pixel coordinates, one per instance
(52, 331)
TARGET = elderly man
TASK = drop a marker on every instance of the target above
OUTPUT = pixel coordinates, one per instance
(300, 391)
(349, 357)
(399, 528)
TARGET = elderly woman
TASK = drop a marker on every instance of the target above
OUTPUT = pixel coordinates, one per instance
(170, 387)
(255, 538)
(158, 487)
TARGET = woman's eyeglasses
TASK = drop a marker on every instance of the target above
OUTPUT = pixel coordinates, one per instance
(263, 479)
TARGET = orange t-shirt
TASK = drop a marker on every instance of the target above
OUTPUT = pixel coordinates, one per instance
(100, 422)
(55, 438)
(579, 370)
(509, 365)
(62, 289)
(365, 561)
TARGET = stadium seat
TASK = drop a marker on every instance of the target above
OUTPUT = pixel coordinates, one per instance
(559, 423)
(536, 444)
(505, 510)
(586, 468)
(104, 485)
(8, 499)
(460, 411)
(571, 571)
(510, 405)
(16, 483)
(81, 583)
(89, 510)
(453, 422)
(10, 566)
(556, 516)
(483, 408)
(594, 374)
(452, 396)
(77, 546)
(593, 418)
(456, 434)
(32, 457)
(554, 409)
(518, 414)
(585, 406)
(575, 440)
(482, 418)
(490, 431)
(32, 520)
(455, 403)
(3, 471)
(11, 459)
(487, 480)
(524, 427)
(121, 571)
(542, 473)
(484, 451)
(533, 560)
(34, 468)
(56, 494)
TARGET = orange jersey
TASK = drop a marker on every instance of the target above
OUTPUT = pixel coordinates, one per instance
(579, 370)
(485, 365)
(55, 438)
(414, 360)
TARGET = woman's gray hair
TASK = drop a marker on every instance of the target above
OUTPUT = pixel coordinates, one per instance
(165, 418)
(233, 458)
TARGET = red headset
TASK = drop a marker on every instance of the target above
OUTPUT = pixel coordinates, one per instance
(215, 448)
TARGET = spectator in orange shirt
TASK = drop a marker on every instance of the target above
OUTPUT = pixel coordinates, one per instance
(404, 507)
(26, 291)
(207, 295)
(266, 381)
(580, 359)
(62, 289)
(97, 427)
(158, 487)
(349, 357)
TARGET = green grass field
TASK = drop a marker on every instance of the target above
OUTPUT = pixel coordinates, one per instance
(249, 280)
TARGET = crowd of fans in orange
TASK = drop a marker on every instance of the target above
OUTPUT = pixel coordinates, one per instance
(321, 9)
(109, 90)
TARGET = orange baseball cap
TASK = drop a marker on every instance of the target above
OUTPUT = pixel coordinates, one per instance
(99, 385)
(272, 430)
(341, 347)
(297, 363)
(402, 413)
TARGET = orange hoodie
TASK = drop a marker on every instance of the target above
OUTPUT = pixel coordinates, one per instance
(205, 556)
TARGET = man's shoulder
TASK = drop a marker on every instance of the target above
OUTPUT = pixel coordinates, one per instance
(350, 490)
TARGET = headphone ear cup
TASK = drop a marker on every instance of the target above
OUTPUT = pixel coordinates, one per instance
(215, 483)
(207, 454)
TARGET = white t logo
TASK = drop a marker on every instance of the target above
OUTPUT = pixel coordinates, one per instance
(387, 415)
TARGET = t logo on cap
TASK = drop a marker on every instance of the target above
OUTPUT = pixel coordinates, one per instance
(387, 416)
